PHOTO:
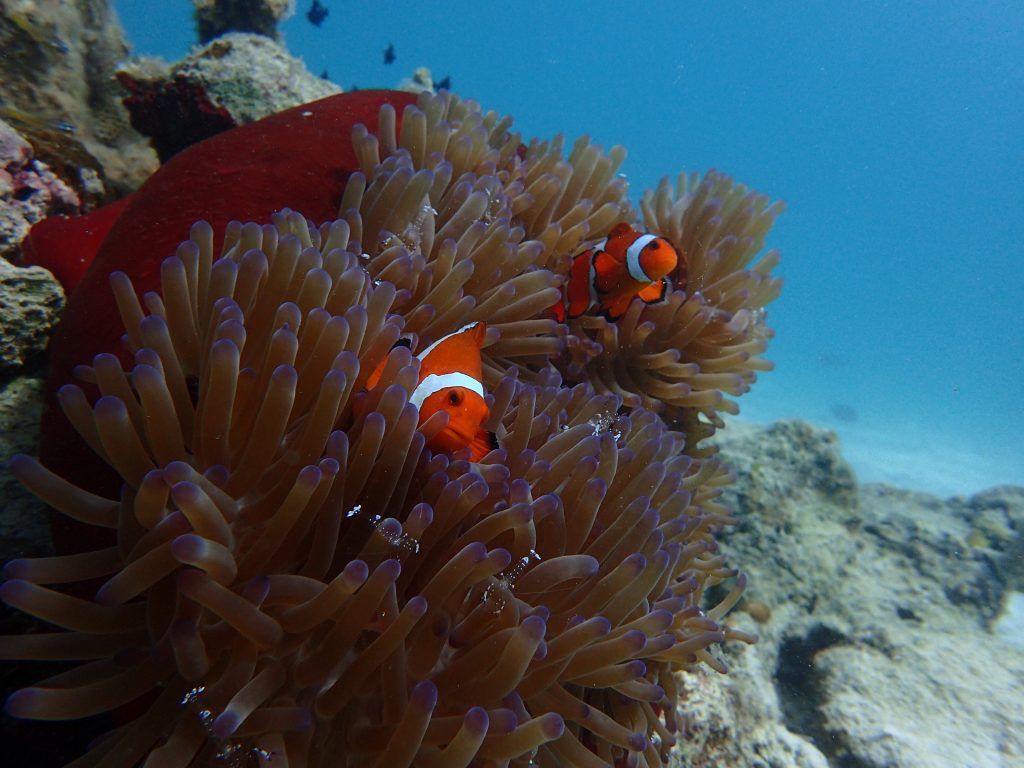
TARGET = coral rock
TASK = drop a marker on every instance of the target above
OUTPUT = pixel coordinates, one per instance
(217, 17)
(878, 650)
(57, 71)
(235, 79)
(23, 525)
(30, 305)
(29, 191)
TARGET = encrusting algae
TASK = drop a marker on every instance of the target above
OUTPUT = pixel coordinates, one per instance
(298, 580)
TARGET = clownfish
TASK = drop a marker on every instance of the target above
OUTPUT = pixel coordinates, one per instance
(451, 380)
(604, 278)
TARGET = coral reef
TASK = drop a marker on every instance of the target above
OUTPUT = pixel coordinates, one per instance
(30, 299)
(60, 153)
(232, 80)
(23, 526)
(29, 192)
(30, 305)
(57, 73)
(872, 655)
(295, 574)
(217, 17)
(420, 80)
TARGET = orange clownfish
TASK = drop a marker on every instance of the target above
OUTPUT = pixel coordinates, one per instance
(451, 380)
(604, 279)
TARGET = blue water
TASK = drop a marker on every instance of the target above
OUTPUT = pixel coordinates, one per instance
(894, 131)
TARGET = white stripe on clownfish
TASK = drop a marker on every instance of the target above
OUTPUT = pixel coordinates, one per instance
(592, 275)
(436, 382)
(636, 271)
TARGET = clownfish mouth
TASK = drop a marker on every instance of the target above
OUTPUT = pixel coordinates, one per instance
(462, 435)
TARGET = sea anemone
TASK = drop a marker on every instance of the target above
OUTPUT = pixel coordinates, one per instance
(296, 578)
(468, 220)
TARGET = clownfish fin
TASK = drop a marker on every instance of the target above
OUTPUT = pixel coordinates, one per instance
(371, 382)
(374, 377)
(557, 310)
(620, 229)
(656, 291)
(615, 308)
(479, 333)
(483, 443)
(607, 271)
(474, 332)
(620, 240)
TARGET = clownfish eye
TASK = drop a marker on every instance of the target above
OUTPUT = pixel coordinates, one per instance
(455, 397)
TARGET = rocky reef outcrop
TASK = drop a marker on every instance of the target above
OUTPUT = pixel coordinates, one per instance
(234, 79)
(879, 613)
(57, 83)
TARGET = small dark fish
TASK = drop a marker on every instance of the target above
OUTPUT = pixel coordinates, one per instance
(832, 360)
(324, 75)
(317, 13)
(389, 54)
(445, 84)
(844, 412)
